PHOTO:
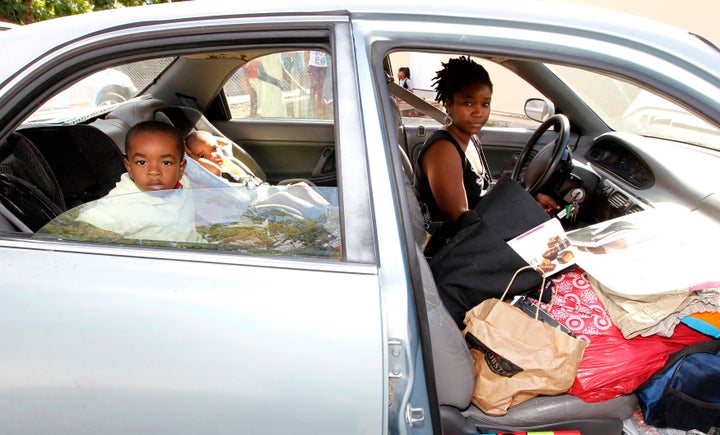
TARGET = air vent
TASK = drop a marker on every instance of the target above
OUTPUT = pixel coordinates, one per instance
(634, 209)
(618, 200)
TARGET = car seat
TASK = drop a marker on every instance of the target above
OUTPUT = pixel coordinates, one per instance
(455, 378)
(115, 128)
(117, 123)
(187, 120)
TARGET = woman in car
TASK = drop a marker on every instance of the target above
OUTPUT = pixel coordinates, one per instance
(451, 172)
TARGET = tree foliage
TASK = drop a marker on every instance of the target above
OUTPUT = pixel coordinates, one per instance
(30, 11)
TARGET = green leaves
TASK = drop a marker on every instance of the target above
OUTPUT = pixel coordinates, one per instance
(29, 11)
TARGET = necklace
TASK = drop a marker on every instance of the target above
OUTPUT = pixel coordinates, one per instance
(483, 161)
(484, 173)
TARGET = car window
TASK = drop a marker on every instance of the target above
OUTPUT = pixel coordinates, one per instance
(99, 92)
(213, 215)
(275, 196)
(509, 90)
(291, 84)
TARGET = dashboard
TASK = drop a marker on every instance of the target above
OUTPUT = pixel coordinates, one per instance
(612, 155)
(609, 159)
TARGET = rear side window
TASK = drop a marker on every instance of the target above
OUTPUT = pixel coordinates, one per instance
(291, 84)
(275, 190)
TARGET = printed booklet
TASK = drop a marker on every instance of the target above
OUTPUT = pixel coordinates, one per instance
(545, 246)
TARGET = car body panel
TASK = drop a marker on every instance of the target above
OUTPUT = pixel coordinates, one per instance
(104, 338)
(184, 348)
(256, 364)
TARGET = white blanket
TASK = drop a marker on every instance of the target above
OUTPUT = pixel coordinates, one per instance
(167, 215)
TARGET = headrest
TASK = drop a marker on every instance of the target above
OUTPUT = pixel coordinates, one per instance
(136, 111)
(115, 128)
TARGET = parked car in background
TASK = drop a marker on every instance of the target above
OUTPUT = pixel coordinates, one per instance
(283, 321)
(103, 88)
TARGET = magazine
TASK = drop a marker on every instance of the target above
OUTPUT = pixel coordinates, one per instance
(621, 231)
(545, 246)
(650, 252)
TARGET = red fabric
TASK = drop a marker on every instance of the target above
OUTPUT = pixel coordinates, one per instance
(612, 365)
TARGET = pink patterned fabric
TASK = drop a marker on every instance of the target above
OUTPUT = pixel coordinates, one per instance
(612, 365)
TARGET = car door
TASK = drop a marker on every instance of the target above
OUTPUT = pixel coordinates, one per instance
(110, 337)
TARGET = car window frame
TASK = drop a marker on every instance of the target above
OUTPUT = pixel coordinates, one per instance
(357, 233)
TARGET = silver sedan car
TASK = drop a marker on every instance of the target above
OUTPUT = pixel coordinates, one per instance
(311, 317)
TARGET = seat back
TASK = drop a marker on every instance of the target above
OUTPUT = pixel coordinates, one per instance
(115, 128)
(136, 111)
(86, 162)
(454, 376)
(118, 122)
(30, 195)
(187, 120)
(397, 119)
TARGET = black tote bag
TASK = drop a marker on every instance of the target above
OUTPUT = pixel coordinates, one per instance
(470, 258)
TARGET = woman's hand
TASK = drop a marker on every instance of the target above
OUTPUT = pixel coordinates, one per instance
(547, 203)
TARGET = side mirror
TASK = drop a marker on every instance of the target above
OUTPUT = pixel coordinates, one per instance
(539, 109)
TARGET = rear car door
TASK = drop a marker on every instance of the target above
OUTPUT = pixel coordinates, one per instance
(117, 338)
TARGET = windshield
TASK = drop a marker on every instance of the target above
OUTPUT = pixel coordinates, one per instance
(626, 107)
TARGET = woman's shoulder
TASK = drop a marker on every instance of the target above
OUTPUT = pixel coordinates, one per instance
(441, 139)
(439, 135)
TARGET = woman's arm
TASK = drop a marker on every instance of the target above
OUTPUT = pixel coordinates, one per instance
(443, 168)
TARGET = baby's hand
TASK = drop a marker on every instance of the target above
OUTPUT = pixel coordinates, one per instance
(210, 166)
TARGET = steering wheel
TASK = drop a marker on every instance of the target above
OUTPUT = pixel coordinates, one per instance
(545, 163)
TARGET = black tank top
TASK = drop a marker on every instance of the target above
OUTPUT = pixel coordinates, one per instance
(475, 185)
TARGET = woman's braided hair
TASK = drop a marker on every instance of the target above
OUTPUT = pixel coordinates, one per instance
(456, 74)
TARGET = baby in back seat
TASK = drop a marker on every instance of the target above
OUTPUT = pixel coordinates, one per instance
(208, 151)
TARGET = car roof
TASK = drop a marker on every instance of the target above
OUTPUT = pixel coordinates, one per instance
(580, 17)
(7, 26)
(673, 44)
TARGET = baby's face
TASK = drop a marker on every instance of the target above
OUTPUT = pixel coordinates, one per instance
(205, 147)
(154, 162)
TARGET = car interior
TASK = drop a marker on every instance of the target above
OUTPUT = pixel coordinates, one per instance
(49, 167)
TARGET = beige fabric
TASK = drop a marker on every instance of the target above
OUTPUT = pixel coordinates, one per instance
(648, 314)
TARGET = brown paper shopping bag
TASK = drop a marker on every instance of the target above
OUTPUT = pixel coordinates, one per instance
(517, 357)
